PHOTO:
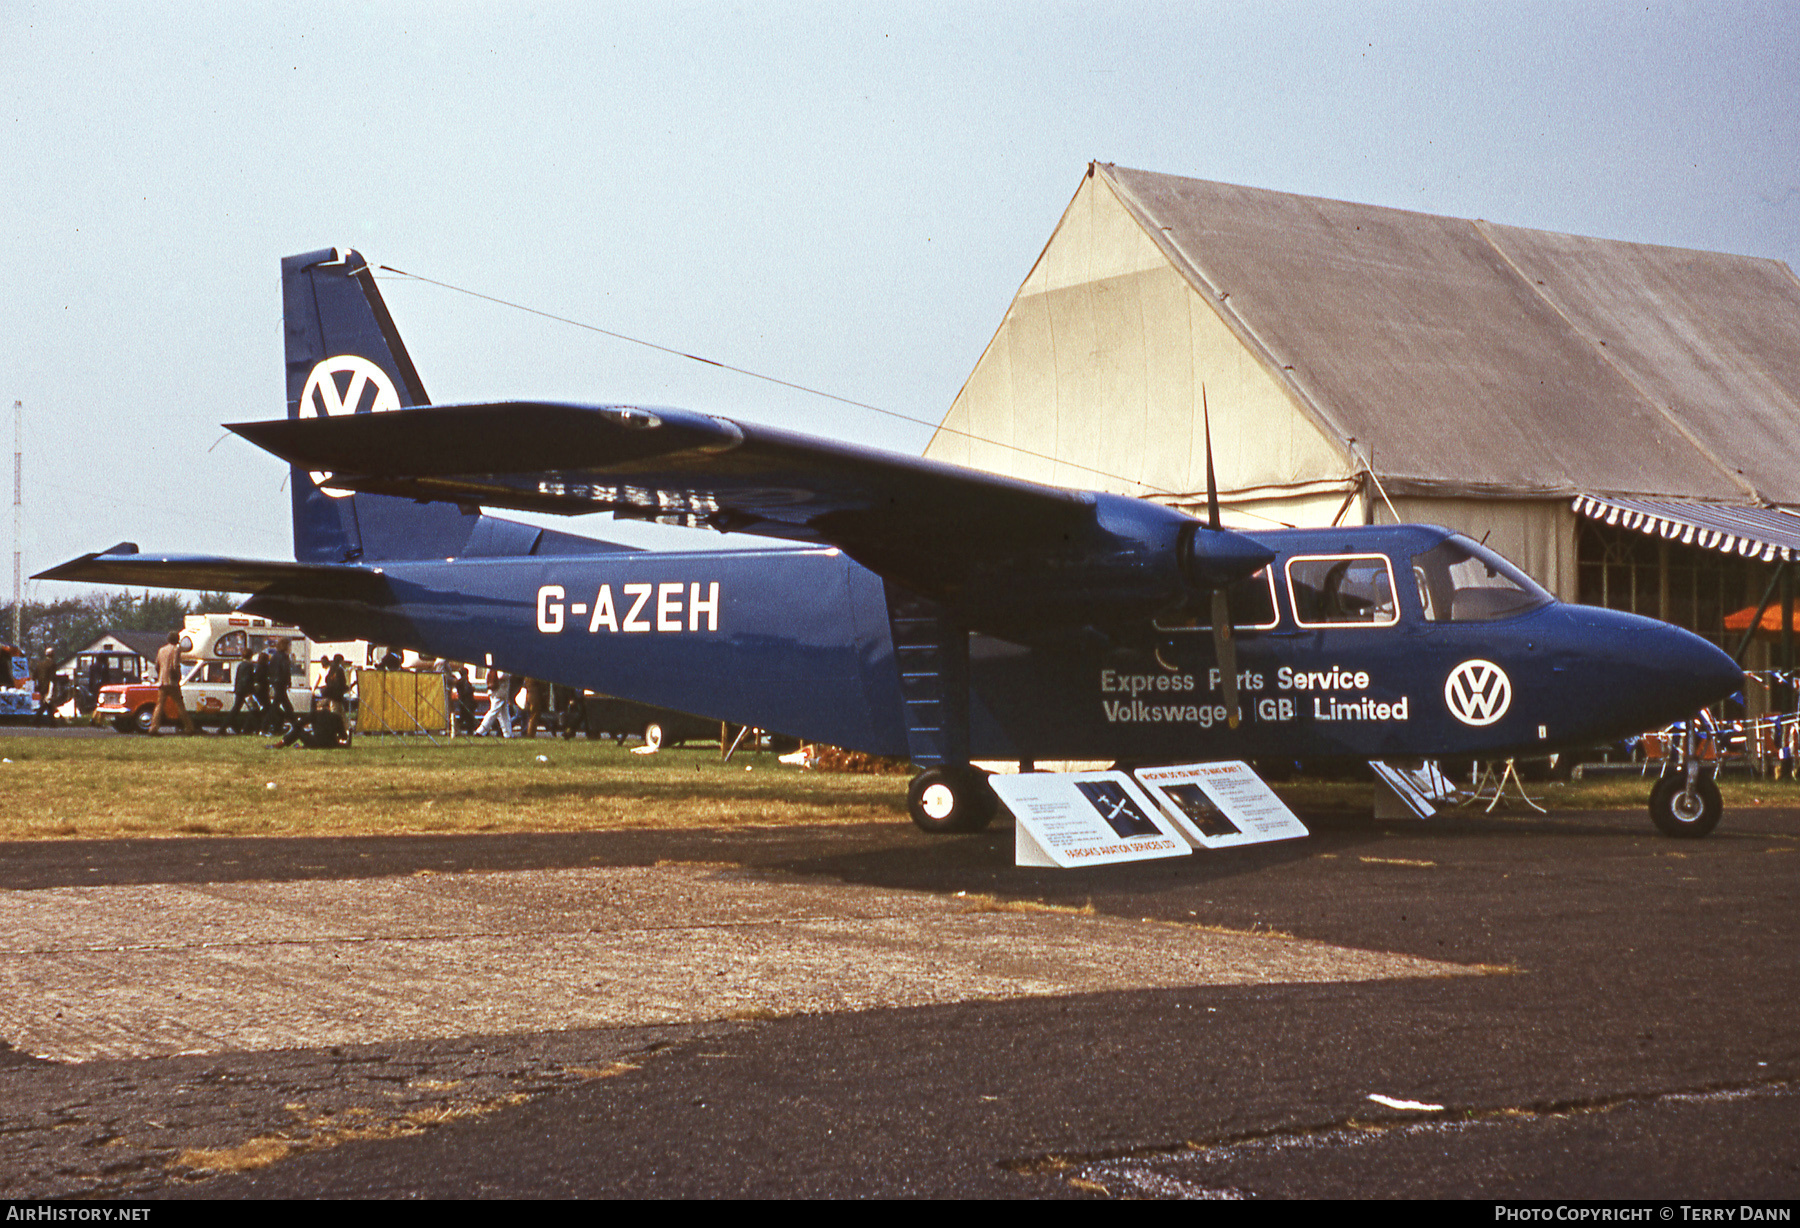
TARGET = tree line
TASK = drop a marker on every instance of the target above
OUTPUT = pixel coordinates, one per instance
(75, 622)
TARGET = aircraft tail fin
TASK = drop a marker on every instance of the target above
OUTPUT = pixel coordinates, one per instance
(344, 356)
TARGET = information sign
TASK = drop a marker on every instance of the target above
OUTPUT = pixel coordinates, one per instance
(1220, 805)
(1084, 819)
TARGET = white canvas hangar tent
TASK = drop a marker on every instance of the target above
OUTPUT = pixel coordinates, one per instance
(1521, 385)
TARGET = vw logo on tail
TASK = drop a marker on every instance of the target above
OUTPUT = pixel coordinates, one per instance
(1478, 692)
(324, 396)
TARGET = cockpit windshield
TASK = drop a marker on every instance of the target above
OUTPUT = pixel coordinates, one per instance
(1463, 582)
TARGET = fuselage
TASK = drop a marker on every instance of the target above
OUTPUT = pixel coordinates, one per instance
(1359, 642)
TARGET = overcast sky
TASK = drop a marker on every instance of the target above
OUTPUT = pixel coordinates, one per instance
(841, 196)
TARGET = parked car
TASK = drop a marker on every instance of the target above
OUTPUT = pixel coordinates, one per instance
(215, 643)
(658, 727)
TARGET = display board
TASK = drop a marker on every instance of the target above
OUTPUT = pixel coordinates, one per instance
(1409, 792)
(1221, 805)
(1072, 819)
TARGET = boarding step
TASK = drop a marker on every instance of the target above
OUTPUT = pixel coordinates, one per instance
(931, 652)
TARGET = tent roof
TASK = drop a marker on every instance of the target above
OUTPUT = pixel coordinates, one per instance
(1477, 359)
(1766, 533)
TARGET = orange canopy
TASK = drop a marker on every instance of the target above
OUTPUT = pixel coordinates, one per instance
(1771, 619)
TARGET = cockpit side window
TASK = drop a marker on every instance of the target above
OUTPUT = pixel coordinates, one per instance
(1342, 590)
(1460, 581)
(1251, 602)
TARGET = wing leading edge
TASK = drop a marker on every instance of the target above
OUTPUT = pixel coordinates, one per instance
(1015, 558)
(929, 523)
(122, 564)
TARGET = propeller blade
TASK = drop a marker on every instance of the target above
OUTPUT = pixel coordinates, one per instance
(1220, 556)
(1212, 486)
(1225, 653)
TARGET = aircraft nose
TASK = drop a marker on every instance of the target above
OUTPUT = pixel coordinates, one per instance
(1643, 674)
(1704, 670)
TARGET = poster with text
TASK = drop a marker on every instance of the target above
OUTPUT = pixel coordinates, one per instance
(1220, 805)
(1084, 819)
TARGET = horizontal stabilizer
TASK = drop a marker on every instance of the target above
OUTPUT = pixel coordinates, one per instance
(506, 437)
(211, 573)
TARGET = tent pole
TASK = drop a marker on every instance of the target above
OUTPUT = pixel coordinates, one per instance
(1756, 622)
(1787, 628)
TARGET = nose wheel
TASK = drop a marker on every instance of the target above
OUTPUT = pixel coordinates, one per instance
(1682, 811)
(951, 800)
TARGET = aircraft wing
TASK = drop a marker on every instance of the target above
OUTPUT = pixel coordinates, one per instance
(681, 467)
(122, 564)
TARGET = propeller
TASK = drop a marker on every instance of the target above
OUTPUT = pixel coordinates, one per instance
(1224, 643)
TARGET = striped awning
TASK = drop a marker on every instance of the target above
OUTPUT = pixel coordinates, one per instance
(1767, 533)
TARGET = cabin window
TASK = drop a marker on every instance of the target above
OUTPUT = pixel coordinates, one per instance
(1251, 602)
(1342, 590)
(1462, 582)
(231, 645)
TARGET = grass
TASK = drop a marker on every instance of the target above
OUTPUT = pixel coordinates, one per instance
(327, 1131)
(59, 788)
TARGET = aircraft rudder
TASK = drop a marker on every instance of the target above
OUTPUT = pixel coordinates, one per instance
(332, 309)
(344, 355)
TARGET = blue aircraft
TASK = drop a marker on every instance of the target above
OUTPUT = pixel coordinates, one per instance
(911, 608)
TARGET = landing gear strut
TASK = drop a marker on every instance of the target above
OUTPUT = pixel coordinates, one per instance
(951, 800)
(1685, 801)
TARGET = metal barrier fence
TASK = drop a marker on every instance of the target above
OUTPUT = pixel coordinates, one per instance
(400, 701)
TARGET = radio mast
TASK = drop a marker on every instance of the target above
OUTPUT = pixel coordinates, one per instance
(18, 519)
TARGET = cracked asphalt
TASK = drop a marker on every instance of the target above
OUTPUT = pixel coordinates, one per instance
(1627, 1030)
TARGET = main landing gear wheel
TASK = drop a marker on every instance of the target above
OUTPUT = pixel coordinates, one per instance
(653, 733)
(1676, 812)
(949, 801)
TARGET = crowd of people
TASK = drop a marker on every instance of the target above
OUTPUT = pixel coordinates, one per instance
(544, 706)
(261, 705)
(328, 725)
(260, 700)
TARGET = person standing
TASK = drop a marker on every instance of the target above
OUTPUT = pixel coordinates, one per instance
(537, 702)
(335, 691)
(98, 676)
(43, 679)
(465, 700)
(260, 680)
(168, 687)
(500, 709)
(280, 668)
(243, 691)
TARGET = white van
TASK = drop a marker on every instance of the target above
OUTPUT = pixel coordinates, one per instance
(215, 644)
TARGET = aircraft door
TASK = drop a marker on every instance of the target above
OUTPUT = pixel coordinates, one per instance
(1346, 666)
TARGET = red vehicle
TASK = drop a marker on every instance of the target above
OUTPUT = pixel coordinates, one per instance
(214, 644)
